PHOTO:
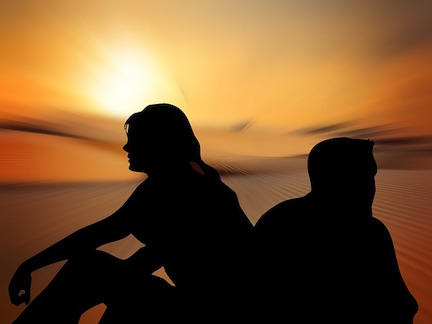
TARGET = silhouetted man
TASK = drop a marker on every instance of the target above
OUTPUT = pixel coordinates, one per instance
(324, 258)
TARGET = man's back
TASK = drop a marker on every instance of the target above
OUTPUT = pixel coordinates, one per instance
(318, 264)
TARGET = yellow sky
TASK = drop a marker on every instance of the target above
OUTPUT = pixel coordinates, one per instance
(281, 67)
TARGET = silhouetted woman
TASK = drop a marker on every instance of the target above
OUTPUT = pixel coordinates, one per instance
(189, 221)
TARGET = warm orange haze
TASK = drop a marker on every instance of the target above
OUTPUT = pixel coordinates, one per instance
(260, 81)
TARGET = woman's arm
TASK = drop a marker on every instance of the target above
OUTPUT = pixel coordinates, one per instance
(144, 261)
(112, 228)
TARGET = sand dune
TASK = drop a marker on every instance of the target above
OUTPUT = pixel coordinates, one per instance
(34, 216)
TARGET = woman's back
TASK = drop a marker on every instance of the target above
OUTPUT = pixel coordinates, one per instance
(196, 224)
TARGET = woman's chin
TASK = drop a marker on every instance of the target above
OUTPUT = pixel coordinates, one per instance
(136, 168)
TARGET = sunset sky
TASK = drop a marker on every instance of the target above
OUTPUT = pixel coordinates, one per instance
(260, 81)
(256, 78)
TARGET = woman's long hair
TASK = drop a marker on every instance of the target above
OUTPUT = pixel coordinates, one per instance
(168, 128)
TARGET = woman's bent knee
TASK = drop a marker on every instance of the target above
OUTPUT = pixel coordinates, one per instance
(93, 261)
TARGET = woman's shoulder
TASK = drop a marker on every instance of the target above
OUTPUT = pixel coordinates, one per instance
(143, 192)
(142, 187)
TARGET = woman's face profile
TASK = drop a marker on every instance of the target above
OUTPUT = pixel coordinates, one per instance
(139, 149)
(159, 138)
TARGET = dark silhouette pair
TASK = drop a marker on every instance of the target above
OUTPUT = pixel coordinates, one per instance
(320, 257)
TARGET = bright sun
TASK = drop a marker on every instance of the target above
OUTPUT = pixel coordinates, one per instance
(126, 83)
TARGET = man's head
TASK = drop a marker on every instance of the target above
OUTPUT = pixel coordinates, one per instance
(343, 169)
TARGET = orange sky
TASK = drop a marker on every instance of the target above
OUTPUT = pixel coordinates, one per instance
(265, 78)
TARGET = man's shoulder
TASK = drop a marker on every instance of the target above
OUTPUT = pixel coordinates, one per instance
(285, 211)
(299, 202)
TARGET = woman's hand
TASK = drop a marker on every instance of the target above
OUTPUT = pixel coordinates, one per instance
(19, 286)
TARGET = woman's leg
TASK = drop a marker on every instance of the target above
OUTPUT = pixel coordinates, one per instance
(81, 283)
(147, 298)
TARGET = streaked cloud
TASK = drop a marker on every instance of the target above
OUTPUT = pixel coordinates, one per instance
(244, 72)
(241, 127)
(29, 127)
(323, 129)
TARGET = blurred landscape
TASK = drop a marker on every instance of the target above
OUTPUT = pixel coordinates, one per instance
(35, 215)
(261, 82)
(64, 172)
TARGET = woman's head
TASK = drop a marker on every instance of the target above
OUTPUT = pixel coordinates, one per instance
(158, 135)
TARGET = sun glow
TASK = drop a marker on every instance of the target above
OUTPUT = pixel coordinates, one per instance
(126, 82)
